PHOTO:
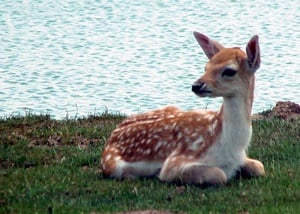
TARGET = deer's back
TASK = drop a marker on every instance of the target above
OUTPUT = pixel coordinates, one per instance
(155, 135)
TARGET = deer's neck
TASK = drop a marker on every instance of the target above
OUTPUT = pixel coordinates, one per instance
(236, 110)
(236, 121)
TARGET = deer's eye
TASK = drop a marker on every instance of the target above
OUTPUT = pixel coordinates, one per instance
(228, 72)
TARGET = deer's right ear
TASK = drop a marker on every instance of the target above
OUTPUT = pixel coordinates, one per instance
(209, 46)
(253, 53)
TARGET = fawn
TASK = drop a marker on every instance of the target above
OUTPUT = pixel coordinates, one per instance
(198, 146)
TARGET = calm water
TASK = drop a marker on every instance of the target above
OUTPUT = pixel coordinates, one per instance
(74, 58)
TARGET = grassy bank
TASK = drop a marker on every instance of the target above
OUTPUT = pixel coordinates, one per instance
(50, 166)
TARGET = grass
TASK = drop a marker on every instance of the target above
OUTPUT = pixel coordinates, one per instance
(51, 166)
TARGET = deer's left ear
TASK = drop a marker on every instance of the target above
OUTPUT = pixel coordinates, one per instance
(253, 53)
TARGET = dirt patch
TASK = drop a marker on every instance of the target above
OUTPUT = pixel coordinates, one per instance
(284, 110)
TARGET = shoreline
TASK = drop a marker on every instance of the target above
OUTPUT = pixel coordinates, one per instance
(282, 110)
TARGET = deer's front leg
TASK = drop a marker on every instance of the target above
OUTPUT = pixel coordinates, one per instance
(252, 168)
(181, 171)
(207, 175)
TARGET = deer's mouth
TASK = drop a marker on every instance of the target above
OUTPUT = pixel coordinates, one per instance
(205, 92)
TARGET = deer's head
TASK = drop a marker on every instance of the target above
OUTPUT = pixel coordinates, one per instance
(229, 71)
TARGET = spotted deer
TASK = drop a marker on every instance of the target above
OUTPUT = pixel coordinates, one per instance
(198, 146)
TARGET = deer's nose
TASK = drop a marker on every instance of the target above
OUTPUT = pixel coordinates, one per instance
(198, 87)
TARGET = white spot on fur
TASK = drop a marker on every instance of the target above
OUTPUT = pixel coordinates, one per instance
(190, 157)
(123, 150)
(155, 136)
(197, 144)
(148, 151)
(149, 141)
(187, 131)
(157, 146)
(179, 135)
(117, 158)
(107, 158)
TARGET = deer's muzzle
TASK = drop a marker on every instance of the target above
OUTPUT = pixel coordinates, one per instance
(200, 88)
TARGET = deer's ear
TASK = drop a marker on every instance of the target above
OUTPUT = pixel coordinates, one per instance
(253, 53)
(209, 46)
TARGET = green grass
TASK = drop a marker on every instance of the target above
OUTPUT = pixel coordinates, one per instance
(51, 166)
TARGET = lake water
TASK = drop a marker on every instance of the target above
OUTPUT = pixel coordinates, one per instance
(75, 58)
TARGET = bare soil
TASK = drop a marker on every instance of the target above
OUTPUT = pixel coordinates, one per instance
(284, 110)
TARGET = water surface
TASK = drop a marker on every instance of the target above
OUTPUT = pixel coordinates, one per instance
(74, 58)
